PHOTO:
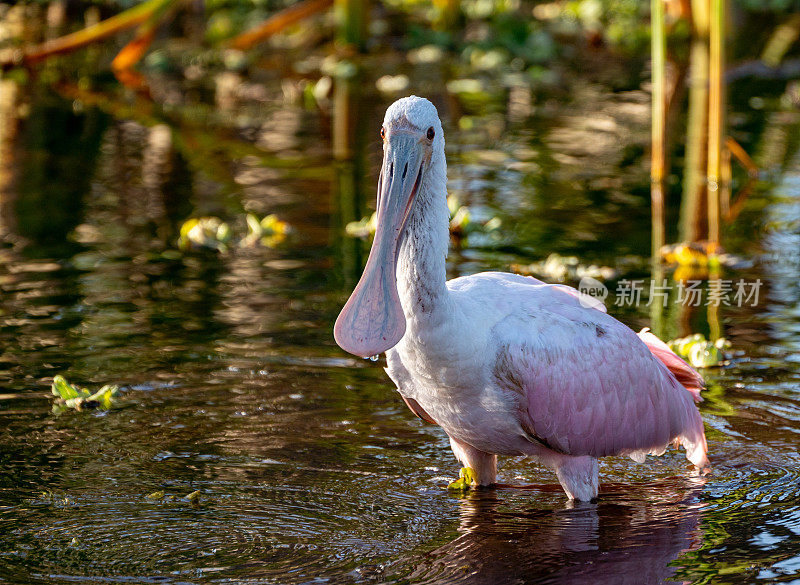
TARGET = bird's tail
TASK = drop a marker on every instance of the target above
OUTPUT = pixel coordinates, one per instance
(693, 437)
(683, 372)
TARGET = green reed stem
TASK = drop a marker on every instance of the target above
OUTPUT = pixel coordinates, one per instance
(659, 101)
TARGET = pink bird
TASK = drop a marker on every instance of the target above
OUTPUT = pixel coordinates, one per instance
(505, 364)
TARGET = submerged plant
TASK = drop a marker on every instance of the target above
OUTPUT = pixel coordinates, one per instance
(700, 352)
(69, 396)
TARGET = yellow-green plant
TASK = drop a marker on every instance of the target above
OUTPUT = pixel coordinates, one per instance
(700, 352)
(69, 396)
(205, 232)
(269, 231)
(461, 223)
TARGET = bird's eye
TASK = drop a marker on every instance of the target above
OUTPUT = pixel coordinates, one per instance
(383, 133)
(431, 133)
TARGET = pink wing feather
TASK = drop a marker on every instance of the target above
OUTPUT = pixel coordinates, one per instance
(591, 386)
(684, 373)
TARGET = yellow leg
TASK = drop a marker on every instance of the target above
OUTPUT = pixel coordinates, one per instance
(466, 478)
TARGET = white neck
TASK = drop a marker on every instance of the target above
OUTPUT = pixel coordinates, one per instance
(421, 272)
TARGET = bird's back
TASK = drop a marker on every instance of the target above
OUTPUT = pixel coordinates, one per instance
(588, 385)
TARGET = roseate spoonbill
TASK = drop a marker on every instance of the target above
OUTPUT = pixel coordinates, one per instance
(505, 364)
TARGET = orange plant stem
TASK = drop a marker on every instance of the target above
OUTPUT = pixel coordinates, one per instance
(102, 30)
(278, 22)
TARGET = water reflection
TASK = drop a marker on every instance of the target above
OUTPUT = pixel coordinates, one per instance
(10, 105)
(351, 129)
(620, 540)
(782, 259)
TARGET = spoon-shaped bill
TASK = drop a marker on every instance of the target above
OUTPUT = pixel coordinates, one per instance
(372, 320)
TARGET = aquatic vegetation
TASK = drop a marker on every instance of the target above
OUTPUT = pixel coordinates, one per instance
(193, 497)
(269, 231)
(211, 233)
(71, 397)
(461, 223)
(563, 268)
(205, 232)
(692, 254)
(696, 260)
(57, 500)
(466, 477)
(700, 352)
(363, 228)
(620, 23)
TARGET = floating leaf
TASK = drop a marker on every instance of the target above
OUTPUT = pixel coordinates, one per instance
(364, 228)
(563, 268)
(63, 389)
(461, 223)
(273, 226)
(466, 477)
(205, 233)
(223, 233)
(105, 395)
(700, 352)
(269, 231)
(253, 224)
(212, 233)
(461, 220)
(699, 255)
(453, 204)
(70, 396)
(493, 224)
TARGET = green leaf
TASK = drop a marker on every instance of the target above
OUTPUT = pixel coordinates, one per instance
(70, 396)
(105, 395)
(700, 352)
(224, 232)
(63, 389)
(253, 225)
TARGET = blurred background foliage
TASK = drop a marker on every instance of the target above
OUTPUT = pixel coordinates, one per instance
(487, 34)
(222, 91)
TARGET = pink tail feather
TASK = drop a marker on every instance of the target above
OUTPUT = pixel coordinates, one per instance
(693, 438)
(683, 372)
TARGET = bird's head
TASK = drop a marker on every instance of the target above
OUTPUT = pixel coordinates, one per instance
(372, 321)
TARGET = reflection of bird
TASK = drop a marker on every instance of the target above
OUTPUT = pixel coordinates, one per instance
(505, 364)
(629, 541)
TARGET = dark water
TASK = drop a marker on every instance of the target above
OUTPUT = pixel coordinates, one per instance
(310, 468)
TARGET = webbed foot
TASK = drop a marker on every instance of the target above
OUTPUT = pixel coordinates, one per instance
(466, 477)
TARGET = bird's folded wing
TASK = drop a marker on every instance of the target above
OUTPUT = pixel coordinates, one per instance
(588, 385)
